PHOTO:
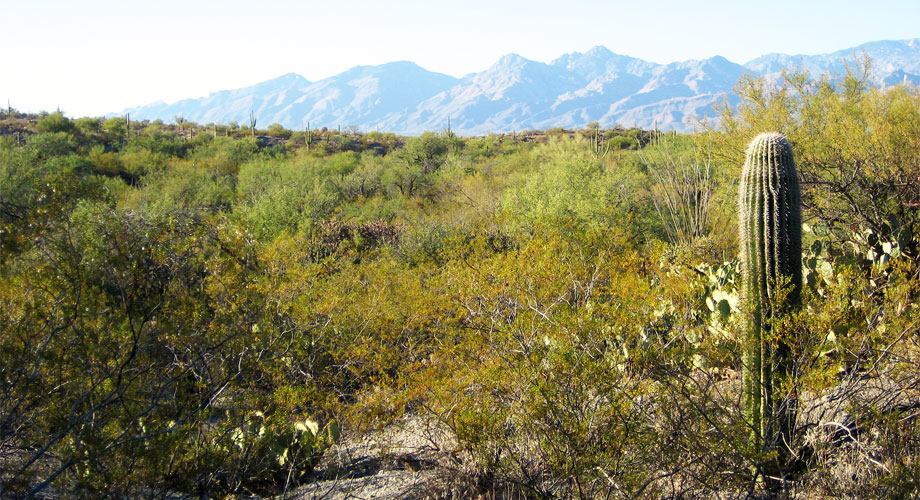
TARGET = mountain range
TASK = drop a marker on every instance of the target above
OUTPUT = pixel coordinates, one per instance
(516, 93)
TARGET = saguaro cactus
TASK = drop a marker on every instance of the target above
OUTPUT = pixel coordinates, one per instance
(771, 257)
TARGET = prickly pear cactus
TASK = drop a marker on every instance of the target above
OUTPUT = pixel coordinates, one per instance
(771, 256)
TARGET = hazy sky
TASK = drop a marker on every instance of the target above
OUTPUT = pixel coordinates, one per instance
(91, 57)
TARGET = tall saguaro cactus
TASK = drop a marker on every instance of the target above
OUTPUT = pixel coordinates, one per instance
(771, 257)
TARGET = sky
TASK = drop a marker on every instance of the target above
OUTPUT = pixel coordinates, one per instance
(91, 57)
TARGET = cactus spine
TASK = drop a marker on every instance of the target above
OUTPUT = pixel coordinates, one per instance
(771, 256)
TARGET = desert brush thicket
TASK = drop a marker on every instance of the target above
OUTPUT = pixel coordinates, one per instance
(203, 310)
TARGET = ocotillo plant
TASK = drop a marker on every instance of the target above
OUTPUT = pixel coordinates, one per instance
(770, 215)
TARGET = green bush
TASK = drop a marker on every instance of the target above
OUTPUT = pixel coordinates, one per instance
(856, 146)
(55, 122)
(566, 181)
(175, 305)
(622, 142)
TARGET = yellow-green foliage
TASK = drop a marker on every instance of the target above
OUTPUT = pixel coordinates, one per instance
(856, 147)
(564, 180)
(176, 306)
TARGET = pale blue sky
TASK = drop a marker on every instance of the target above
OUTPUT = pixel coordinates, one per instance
(96, 56)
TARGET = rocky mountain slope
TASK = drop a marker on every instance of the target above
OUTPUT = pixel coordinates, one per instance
(516, 93)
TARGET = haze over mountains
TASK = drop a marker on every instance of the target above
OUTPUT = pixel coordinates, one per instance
(518, 94)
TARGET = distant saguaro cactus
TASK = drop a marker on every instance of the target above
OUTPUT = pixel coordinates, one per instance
(770, 216)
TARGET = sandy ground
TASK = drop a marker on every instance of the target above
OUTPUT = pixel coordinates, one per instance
(397, 462)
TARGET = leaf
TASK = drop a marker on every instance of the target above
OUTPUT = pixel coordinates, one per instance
(699, 361)
(332, 431)
(893, 221)
(809, 278)
(732, 300)
(725, 308)
(239, 438)
(816, 247)
(826, 270)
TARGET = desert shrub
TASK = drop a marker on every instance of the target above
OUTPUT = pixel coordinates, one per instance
(363, 180)
(856, 147)
(408, 180)
(40, 187)
(566, 181)
(327, 237)
(334, 169)
(278, 130)
(553, 388)
(154, 139)
(140, 162)
(622, 142)
(115, 128)
(253, 452)
(482, 147)
(427, 241)
(52, 144)
(339, 143)
(526, 298)
(223, 155)
(117, 352)
(362, 325)
(683, 186)
(577, 365)
(282, 195)
(55, 122)
(89, 127)
(428, 151)
(183, 188)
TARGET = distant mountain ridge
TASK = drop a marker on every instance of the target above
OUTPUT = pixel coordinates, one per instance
(516, 93)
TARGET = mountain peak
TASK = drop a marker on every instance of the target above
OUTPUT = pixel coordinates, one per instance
(599, 61)
(599, 51)
(404, 64)
(292, 78)
(512, 59)
(518, 93)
